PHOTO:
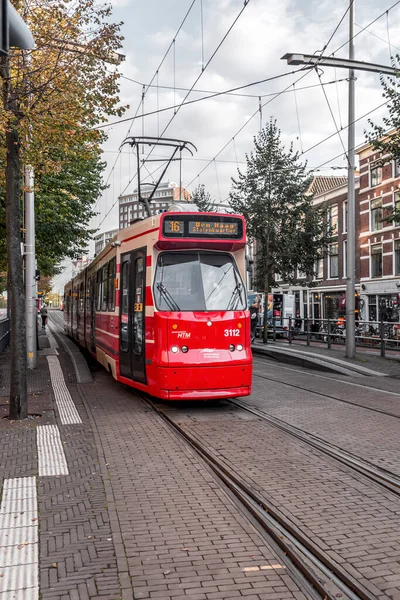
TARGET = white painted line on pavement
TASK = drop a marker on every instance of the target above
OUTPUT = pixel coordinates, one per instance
(66, 407)
(19, 548)
(51, 454)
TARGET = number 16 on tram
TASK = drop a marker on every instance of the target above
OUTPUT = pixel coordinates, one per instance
(175, 321)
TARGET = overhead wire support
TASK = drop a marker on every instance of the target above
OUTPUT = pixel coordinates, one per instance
(148, 86)
(176, 145)
(246, 2)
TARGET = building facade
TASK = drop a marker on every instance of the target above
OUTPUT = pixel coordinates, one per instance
(379, 235)
(324, 298)
(101, 240)
(167, 192)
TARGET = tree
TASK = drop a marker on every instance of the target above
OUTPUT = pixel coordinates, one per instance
(202, 199)
(288, 231)
(53, 98)
(386, 139)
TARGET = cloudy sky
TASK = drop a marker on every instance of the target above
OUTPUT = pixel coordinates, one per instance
(264, 32)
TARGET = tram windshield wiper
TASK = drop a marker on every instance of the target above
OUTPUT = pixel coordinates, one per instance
(169, 300)
(236, 295)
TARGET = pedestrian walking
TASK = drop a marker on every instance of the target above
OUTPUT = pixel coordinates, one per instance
(43, 314)
(254, 311)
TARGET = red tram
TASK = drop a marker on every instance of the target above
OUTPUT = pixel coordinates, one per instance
(163, 307)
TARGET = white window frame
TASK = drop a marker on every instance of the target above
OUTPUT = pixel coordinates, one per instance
(332, 231)
(329, 261)
(344, 261)
(373, 166)
(394, 256)
(370, 213)
(370, 261)
(344, 209)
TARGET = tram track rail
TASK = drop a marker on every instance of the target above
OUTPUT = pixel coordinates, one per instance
(374, 473)
(323, 577)
(331, 397)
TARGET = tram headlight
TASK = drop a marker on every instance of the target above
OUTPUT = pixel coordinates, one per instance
(239, 347)
(232, 348)
(184, 349)
(174, 349)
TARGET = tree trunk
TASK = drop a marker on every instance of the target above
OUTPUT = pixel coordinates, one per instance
(18, 379)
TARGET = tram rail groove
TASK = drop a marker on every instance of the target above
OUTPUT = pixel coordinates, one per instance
(299, 550)
(377, 474)
(305, 389)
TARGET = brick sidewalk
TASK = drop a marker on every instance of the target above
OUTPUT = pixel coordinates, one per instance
(389, 366)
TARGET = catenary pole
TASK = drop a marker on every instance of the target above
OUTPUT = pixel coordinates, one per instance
(351, 223)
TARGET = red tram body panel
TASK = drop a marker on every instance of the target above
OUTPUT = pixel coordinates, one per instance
(164, 307)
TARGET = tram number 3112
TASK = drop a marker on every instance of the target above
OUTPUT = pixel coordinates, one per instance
(231, 332)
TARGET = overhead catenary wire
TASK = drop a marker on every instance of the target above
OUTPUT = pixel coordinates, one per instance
(151, 81)
(283, 91)
(227, 92)
(338, 131)
(245, 4)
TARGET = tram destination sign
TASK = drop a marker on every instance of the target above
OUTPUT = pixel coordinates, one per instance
(203, 226)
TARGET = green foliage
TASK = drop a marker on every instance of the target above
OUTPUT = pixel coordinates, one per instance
(202, 198)
(288, 231)
(386, 138)
(64, 203)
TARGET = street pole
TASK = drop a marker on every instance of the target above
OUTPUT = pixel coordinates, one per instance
(30, 267)
(351, 222)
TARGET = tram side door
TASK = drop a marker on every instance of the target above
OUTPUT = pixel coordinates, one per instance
(132, 315)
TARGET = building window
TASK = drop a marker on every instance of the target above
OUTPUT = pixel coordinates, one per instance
(372, 312)
(345, 216)
(397, 257)
(376, 261)
(376, 214)
(333, 219)
(333, 261)
(344, 259)
(396, 208)
(396, 167)
(375, 175)
(319, 268)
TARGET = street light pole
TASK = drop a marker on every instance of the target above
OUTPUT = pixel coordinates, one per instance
(351, 212)
(30, 267)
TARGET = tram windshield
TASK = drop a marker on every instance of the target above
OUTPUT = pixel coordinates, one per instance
(198, 281)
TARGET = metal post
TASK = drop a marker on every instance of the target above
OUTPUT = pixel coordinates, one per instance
(290, 329)
(329, 335)
(274, 326)
(30, 267)
(308, 332)
(382, 333)
(351, 234)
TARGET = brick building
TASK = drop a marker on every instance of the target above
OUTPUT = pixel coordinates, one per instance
(379, 240)
(326, 297)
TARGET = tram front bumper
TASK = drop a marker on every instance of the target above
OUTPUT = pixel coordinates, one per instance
(205, 382)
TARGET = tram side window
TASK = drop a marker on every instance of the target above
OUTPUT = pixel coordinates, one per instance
(88, 294)
(124, 340)
(99, 290)
(81, 299)
(111, 288)
(104, 279)
(138, 317)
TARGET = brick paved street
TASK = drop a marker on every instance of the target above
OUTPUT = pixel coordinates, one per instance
(354, 521)
(139, 515)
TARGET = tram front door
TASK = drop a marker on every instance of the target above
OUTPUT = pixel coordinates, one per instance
(132, 315)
